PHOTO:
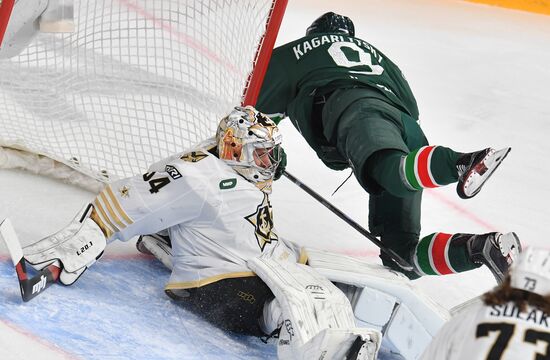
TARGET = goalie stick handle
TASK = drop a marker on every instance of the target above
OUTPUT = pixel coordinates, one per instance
(7, 233)
(392, 254)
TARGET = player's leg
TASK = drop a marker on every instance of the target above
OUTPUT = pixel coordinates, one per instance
(388, 150)
(396, 221)
(441, 254)
(159, 245)
(379, 296)
(315, 317)
(369, 132)
(386, 136)
(433, 166)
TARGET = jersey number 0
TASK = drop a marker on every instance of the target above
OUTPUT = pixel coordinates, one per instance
(336, 51)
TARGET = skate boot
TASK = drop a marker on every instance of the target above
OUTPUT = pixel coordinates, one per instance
(497, 251)
(363, 349)
(474, 169)
(157, 245)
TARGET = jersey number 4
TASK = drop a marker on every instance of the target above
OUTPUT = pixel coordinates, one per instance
(505, 333)
(156, 183)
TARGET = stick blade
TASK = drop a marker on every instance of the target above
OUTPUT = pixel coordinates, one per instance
(34, 286)
(30, 287)
(7, 233)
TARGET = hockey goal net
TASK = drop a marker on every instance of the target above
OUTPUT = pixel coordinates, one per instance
(137, 81)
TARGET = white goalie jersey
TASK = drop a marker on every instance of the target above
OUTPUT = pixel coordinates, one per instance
(483, 332)
(215, 218)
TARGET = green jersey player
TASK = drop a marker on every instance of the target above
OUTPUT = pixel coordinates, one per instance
(355, 108)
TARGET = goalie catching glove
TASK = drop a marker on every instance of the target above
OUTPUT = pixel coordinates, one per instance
(76, 247)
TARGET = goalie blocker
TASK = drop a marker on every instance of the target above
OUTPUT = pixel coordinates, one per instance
(63, 256)
(30, 286)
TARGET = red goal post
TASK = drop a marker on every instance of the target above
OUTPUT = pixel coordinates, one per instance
(137, 81)
(6, 7)
(263, 55)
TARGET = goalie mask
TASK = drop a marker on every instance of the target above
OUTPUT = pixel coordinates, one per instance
(249, 142)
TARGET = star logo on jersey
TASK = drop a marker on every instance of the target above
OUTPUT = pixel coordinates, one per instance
(124, 192)
(193, 156)
(262, 220)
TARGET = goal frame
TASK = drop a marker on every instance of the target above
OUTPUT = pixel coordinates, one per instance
(15, 156)
(263, 54)
(6, 7)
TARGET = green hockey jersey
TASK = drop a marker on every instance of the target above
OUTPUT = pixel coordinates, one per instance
(318, 64)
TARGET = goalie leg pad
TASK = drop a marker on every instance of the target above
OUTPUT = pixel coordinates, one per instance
(77, 246)
(384, 299)
(157, 245)
(317, 318)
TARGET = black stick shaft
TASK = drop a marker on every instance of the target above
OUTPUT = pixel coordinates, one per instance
(392, 254)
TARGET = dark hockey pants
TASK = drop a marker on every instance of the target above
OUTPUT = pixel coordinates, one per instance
(230, 304)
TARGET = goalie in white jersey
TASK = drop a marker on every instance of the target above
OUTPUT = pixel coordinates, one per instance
(512, 321)
(212, 221)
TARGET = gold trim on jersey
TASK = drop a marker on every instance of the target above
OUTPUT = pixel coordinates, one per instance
(97, 219)
(103, 215)
(120, 224)
(110, 214)
(117, 205)
(207, 281)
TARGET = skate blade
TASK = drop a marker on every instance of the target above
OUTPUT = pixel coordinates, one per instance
(499, 157)
(510, 247)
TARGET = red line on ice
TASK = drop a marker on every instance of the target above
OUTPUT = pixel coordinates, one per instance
(462, 210)
(62, 352)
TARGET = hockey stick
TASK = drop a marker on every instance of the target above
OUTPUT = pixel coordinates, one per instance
(392, 254)
(39, 282)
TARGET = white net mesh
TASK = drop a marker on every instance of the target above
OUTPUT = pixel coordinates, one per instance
(138, 80)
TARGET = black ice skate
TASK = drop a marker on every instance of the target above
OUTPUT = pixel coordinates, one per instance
(474, 169)
(362, 349)
(157, 245)
(495, 250)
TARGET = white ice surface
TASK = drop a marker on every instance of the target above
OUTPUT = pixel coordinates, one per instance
(480, 75)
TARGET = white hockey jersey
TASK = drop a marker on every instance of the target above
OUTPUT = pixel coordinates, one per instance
(492, 332)
(216, 219)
